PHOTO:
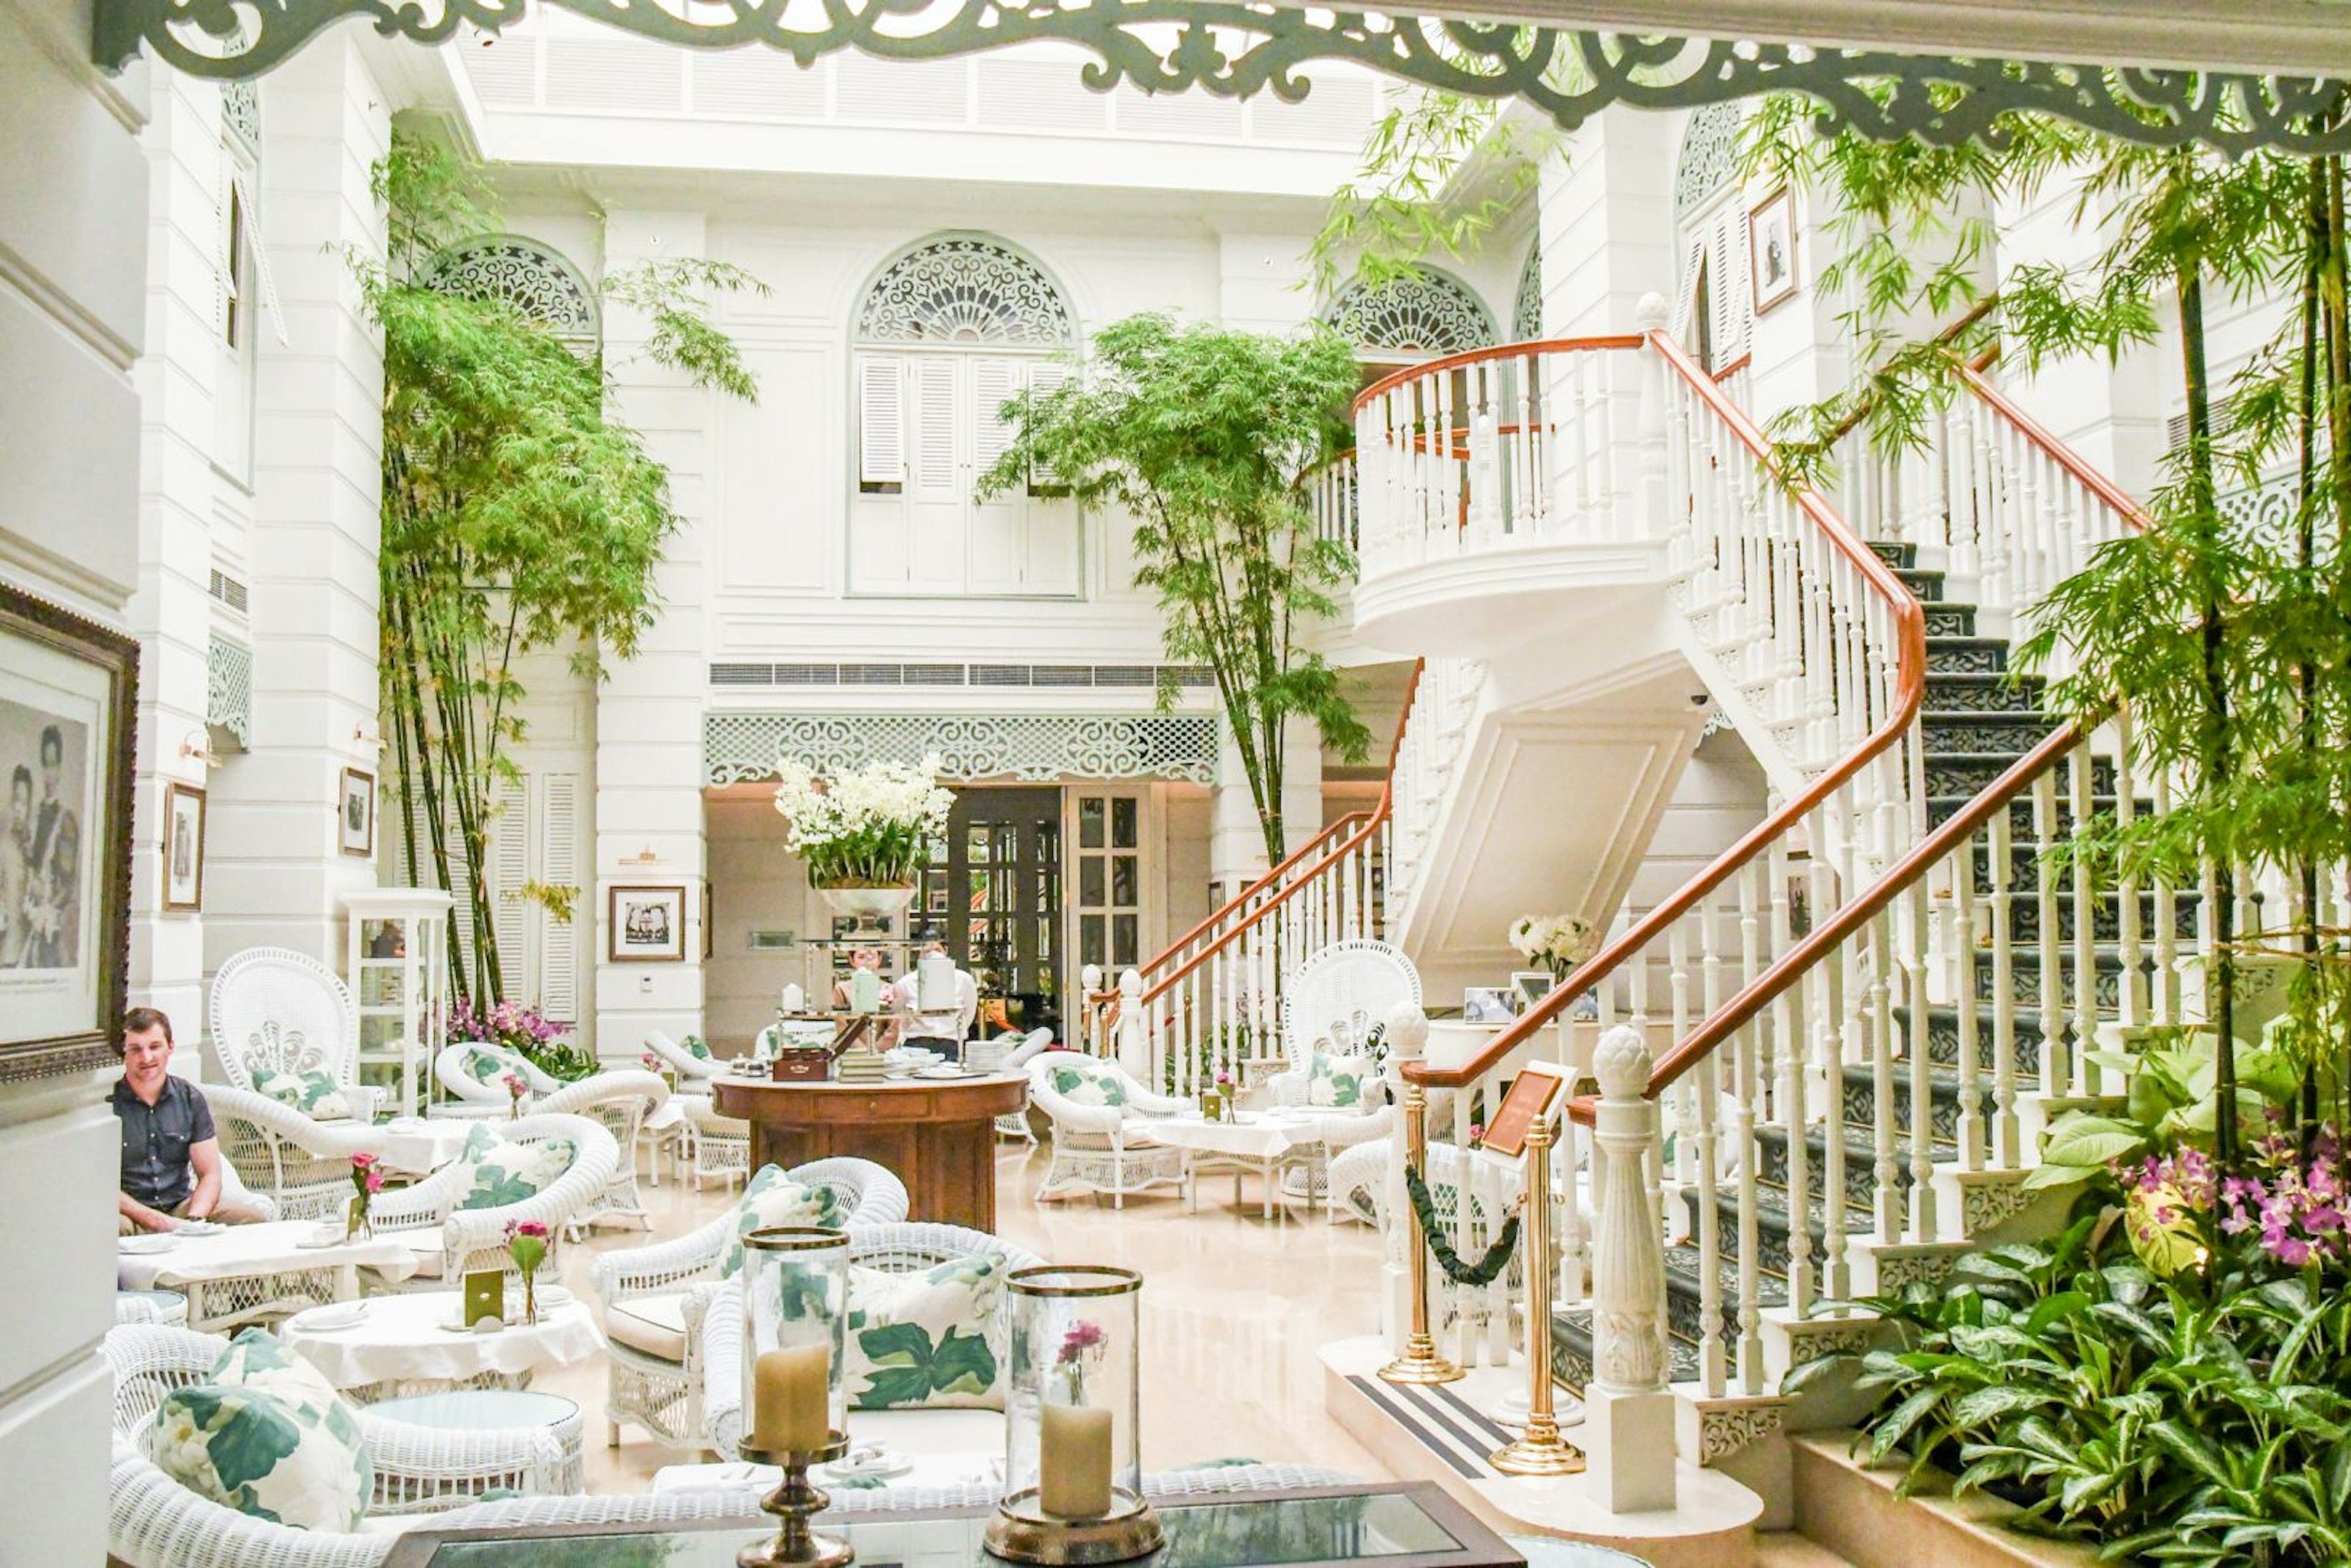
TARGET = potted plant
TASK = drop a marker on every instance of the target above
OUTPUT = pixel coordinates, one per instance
(865, 834)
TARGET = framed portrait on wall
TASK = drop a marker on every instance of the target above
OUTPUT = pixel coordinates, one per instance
(1772, 248)
(645, 925)
(355, 815)
(68, 689)
(183, 847)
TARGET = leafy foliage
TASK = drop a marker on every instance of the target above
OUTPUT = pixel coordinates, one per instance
(1210, 439)
(1423, 188)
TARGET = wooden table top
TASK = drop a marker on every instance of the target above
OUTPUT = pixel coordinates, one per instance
(895, 1099)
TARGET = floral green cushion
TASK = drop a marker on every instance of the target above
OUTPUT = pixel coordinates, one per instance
(267, 1437)
(694, 1043)
(315, 1093)
(504, 1172)
(1082, 1080)
(1338, 1082)
(928, 1338)
(771, 1198)
(483, 1068)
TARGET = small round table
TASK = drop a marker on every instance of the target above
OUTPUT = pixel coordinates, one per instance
(936, 1134)
(501, 1410)
(403, 1344)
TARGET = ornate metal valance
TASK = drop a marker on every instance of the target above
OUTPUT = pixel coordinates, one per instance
(1234, 49)
(1708, 161)
(743, 748)
(964, 288)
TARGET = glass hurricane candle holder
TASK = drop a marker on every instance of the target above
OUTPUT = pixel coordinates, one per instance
(1073, 1471)
(795, 1310)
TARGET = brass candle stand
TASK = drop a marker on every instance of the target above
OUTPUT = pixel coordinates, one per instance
(1540, 1451)
(795, 1501)
(1022, 1532)
(1419, 1364)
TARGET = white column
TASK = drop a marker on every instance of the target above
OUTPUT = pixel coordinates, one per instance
(1628, 1410)
(1607, 222)
(277, 873)
(649, 776)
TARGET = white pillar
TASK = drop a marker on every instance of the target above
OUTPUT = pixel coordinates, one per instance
(1628, 1410)
(1608, 220)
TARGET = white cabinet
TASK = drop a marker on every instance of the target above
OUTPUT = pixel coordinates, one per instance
(398, 967)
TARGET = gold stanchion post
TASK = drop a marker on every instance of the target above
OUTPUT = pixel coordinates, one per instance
(1542, 1451)
(1420, 1363)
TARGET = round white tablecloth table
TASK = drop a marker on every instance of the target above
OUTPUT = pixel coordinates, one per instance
(1263, 1141)
(401, 1345)
(420, 1146)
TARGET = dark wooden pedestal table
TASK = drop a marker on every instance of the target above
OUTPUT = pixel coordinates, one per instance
(938, 1135)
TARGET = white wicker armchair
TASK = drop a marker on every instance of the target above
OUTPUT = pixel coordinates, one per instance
(692, 1071)
(1010, 1053)
(902, 1249)
(153, 1521)
(481, 1092)
(273, 1009)
(620, 1101)
(1103, 1148)
(652, 1320)
(303, 1166)
(1338, 994)
(451, 1241)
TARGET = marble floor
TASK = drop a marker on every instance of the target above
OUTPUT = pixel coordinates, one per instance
(1234, 1308)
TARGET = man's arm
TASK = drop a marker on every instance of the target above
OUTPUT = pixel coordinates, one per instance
(140, 1215)
(203, 1159)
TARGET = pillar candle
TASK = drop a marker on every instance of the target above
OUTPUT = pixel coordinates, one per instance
(795, 1000)
(1073, 1461)
(792, 1413)
(865, 992)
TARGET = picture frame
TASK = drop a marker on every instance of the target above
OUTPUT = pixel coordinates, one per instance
(1489, 1004)
(1532, 986)
(1772, 249)
(1535, 1094)
(646, 923)
(355, 813)
(183, 847)
(69, 701)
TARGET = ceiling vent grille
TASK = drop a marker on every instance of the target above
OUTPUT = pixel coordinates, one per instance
(228, 591)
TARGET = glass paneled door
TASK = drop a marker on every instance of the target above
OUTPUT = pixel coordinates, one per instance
(1108, 861)
(1004, 900)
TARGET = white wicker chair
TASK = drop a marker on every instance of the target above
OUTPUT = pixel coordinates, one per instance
(653, 1324)
(478, 1093)
(1010, 1053)
(153, 1521)
(301, 1165)
(1337, 995)
(902, 1249)
(1103, 1148)
(451, 1241)
(272, 1007)
(692, 1071)
(621, 1100)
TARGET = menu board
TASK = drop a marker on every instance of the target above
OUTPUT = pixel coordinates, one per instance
(1535, 1091)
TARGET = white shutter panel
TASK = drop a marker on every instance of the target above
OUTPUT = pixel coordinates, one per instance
(559, 863)
(224, 245)
(1736, 296)
(1044, 376)
(933, 388)
(266, 282)
(880, 421)
(510, 869)
(1685, 328)
(993, 381)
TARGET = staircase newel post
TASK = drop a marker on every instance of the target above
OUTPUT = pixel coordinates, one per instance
(1651, 513)
(1133, 1040)
(1628, 1410)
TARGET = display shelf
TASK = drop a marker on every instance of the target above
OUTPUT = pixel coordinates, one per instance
(398, 969)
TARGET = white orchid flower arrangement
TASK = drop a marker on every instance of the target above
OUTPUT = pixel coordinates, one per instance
(871, 827)
(1558, 942)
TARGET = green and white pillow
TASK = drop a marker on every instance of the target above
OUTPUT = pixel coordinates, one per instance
(269, 1438)
(694, 1043)
(315, 1093)
(771, 1198)
(484, 1068)
(1081, 1081)
(1338, 1082)
(933, 1339)
(504, 1172)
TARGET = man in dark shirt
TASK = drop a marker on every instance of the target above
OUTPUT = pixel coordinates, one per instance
(170, 1153)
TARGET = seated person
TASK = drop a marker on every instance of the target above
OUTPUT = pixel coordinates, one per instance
(170, 1154)
(938, 1021)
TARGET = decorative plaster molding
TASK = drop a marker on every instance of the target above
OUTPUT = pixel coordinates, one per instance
(744, 747)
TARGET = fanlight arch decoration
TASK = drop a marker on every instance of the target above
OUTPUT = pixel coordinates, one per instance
(532, 279)
(1234, 48)
(1526, 307)
(1708, 164)
(1425, 314)
(957, 289)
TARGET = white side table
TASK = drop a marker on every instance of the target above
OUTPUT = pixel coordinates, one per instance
(404, 1345)
(498, 1411)
(255, 1273)
(1267, 1143)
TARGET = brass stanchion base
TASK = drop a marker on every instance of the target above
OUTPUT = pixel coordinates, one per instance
(1420, 1365)
(1540, 1452)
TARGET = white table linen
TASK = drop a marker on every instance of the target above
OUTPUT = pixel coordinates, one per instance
(239, 1251)
(400, 1339)
(419, 1146)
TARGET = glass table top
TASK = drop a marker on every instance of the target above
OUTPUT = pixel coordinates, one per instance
(1398, 1525)
(477, 1409)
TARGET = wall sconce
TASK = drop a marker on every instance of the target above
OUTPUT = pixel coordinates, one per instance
(644, 857)
(367, 740)
(197, 746)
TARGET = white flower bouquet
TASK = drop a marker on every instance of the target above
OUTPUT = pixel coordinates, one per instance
(871, 827)
(1558, 942)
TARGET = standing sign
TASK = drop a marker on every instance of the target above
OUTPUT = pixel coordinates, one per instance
(1536, 1092)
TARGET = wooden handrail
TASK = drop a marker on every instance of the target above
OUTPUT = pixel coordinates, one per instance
(1911, 623)
(1732, 369)
(1507, 352)
(2064, 457)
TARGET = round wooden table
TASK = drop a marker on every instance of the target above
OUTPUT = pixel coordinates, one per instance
(938, 1135)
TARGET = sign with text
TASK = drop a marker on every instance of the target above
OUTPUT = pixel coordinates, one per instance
(1535, 1091)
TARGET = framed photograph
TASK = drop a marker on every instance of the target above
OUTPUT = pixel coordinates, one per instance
(1532, 986)
(645, 925)
(1772, 249)
(1489, 1004)
(355, 814)
(69, 691)
(1535, 1092)
(184, 846)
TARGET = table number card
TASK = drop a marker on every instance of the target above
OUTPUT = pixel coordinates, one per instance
(485, 1295)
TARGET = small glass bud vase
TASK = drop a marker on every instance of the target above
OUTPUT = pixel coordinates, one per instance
(1073, 1470)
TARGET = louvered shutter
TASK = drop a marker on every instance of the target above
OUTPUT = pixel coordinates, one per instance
(1045, 376)
(993, 381)
(559, 863)
(932, 391)
(1685, 328)
(880, 421)
(1734, 294)
(510, 869)
(265, 282)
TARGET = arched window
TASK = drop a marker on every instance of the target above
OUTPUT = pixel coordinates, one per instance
(1714, 305)
(945, 333)
(1425, 316)
(1526, 309)
(533, 280)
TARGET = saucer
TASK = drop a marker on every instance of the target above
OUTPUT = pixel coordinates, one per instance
(150, 1241)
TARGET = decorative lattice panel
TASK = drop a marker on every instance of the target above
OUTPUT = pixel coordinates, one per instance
(1708, 162)
(965, 289)
(1426, 313)
(228, 689)
(241, 111)
(1526, 310)
(525, 276)
(740, 748)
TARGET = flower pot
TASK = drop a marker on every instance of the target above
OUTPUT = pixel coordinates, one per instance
(867, 902)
